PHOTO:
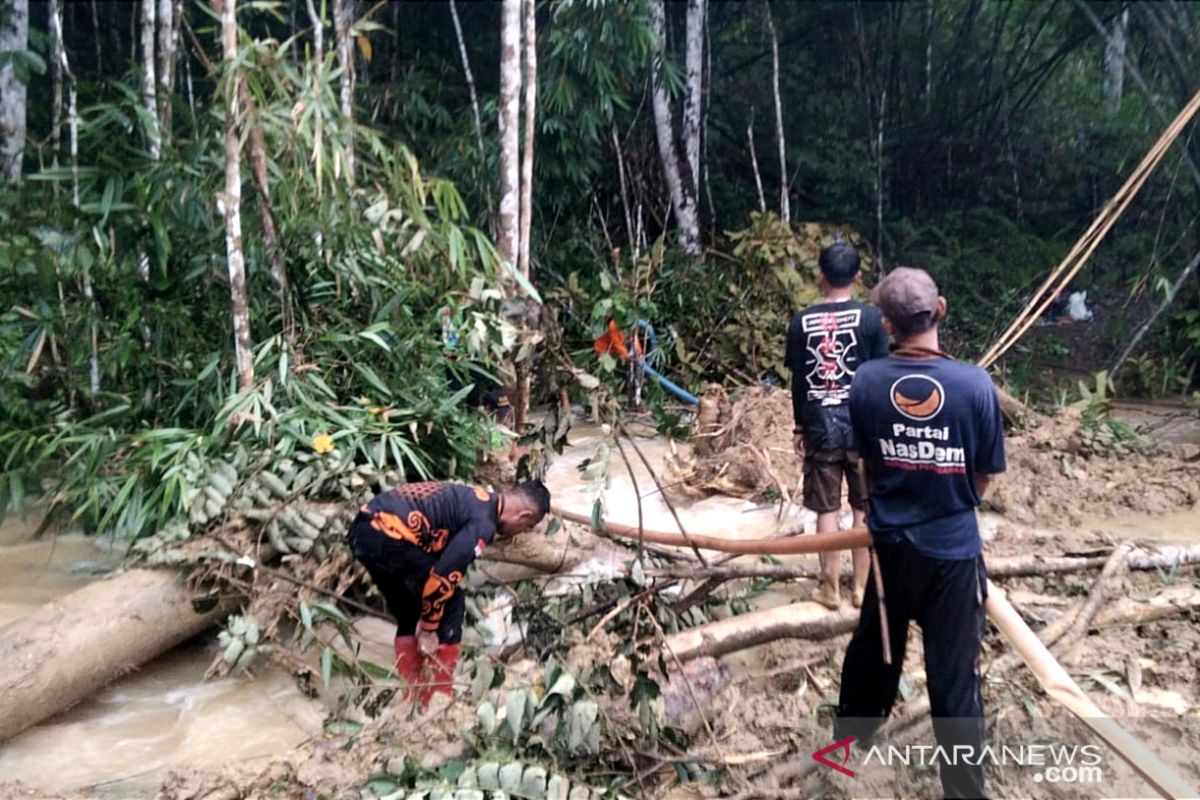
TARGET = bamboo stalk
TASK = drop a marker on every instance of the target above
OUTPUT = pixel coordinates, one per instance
(1059, 685)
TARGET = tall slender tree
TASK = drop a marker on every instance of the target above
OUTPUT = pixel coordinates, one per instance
(14, 38)
(470, 76)
(318, 26)
(508, 239)
(1114, 61)
(683, 196)
(230, 201)
(343, 19)
(148, 32)
(785, 209)
(694, 97)
(529, 48)
(57, 53)
(167, 33)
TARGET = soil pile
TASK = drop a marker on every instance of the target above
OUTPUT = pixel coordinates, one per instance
(1062, 472)
(743, 449)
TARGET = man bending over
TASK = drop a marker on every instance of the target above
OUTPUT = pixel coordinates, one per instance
(417, 541)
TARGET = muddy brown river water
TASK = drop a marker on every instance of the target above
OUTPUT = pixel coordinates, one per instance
(121, 742)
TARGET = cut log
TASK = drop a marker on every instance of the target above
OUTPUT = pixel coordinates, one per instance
(69, 648)
(795, 621)
(1171, 601)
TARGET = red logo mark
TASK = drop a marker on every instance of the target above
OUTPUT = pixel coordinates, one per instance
(844, 744)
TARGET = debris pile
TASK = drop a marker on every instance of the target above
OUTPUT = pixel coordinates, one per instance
(742, 450)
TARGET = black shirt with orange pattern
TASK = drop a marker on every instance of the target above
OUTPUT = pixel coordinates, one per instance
(432, 529)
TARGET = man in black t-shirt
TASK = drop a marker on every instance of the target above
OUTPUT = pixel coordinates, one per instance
(826, 344)
(417, 541)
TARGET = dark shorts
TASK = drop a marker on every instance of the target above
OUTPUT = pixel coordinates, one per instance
(399, 571)
(823, 473)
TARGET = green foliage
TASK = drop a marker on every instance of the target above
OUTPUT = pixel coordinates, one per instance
(367, 269)
(1095, 399)
(780, 276)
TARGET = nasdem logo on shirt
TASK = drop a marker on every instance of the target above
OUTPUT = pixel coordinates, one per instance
(918, 397)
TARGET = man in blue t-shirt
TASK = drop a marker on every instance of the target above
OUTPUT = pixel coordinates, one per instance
(930, 435)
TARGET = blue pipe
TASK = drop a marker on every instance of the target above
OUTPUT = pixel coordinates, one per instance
(663, 381)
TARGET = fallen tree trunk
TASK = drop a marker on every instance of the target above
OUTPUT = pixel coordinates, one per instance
(795, 621)
(1141, 558)
(71, 647)
(1005, 567)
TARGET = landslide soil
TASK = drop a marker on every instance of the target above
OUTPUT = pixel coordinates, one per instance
(1061, 471)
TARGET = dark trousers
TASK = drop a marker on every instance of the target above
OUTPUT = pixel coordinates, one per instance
(400, 571)
(946, 598)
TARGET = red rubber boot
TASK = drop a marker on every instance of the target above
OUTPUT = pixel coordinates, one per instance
(441, 673)
(408, 665)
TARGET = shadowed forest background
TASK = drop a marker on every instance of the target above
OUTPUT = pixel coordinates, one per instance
(974, 139)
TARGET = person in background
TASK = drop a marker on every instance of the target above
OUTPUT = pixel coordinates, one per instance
(931, 436)
(416, 542)
(826, 345)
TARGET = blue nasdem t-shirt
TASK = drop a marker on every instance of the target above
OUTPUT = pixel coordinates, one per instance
(925, 428)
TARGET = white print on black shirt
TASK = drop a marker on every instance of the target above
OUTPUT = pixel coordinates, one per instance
(915, 447)
(831, 336)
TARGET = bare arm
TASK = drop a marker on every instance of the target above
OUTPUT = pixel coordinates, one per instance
(982, 482)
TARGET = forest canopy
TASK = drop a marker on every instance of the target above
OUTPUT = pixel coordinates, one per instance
(239, 223)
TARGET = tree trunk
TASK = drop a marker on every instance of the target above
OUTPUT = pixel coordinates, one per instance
(69, 648)
(508, 240)
(318, 25)
(230, 201)
(266, 214)
(1114, 61)
(168, 27)
(343, 13)
(149, 79)
(14, 36)
(529, 48)
(793, 621)
(470, 76)
(96, 39)
(1059, 685)
(762, 198)
(682, 201)
(692, 104)
(57, 53)
(785, 209)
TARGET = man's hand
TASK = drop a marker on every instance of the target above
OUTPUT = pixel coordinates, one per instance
(798, 444)
(427, 643)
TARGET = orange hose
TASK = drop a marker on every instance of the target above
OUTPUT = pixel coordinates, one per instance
(787, 544)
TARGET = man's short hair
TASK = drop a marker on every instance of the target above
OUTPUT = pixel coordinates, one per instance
(537, 494)
(839, 264)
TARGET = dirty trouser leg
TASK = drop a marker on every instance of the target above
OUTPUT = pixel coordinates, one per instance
(869, 686)
(952, 623)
